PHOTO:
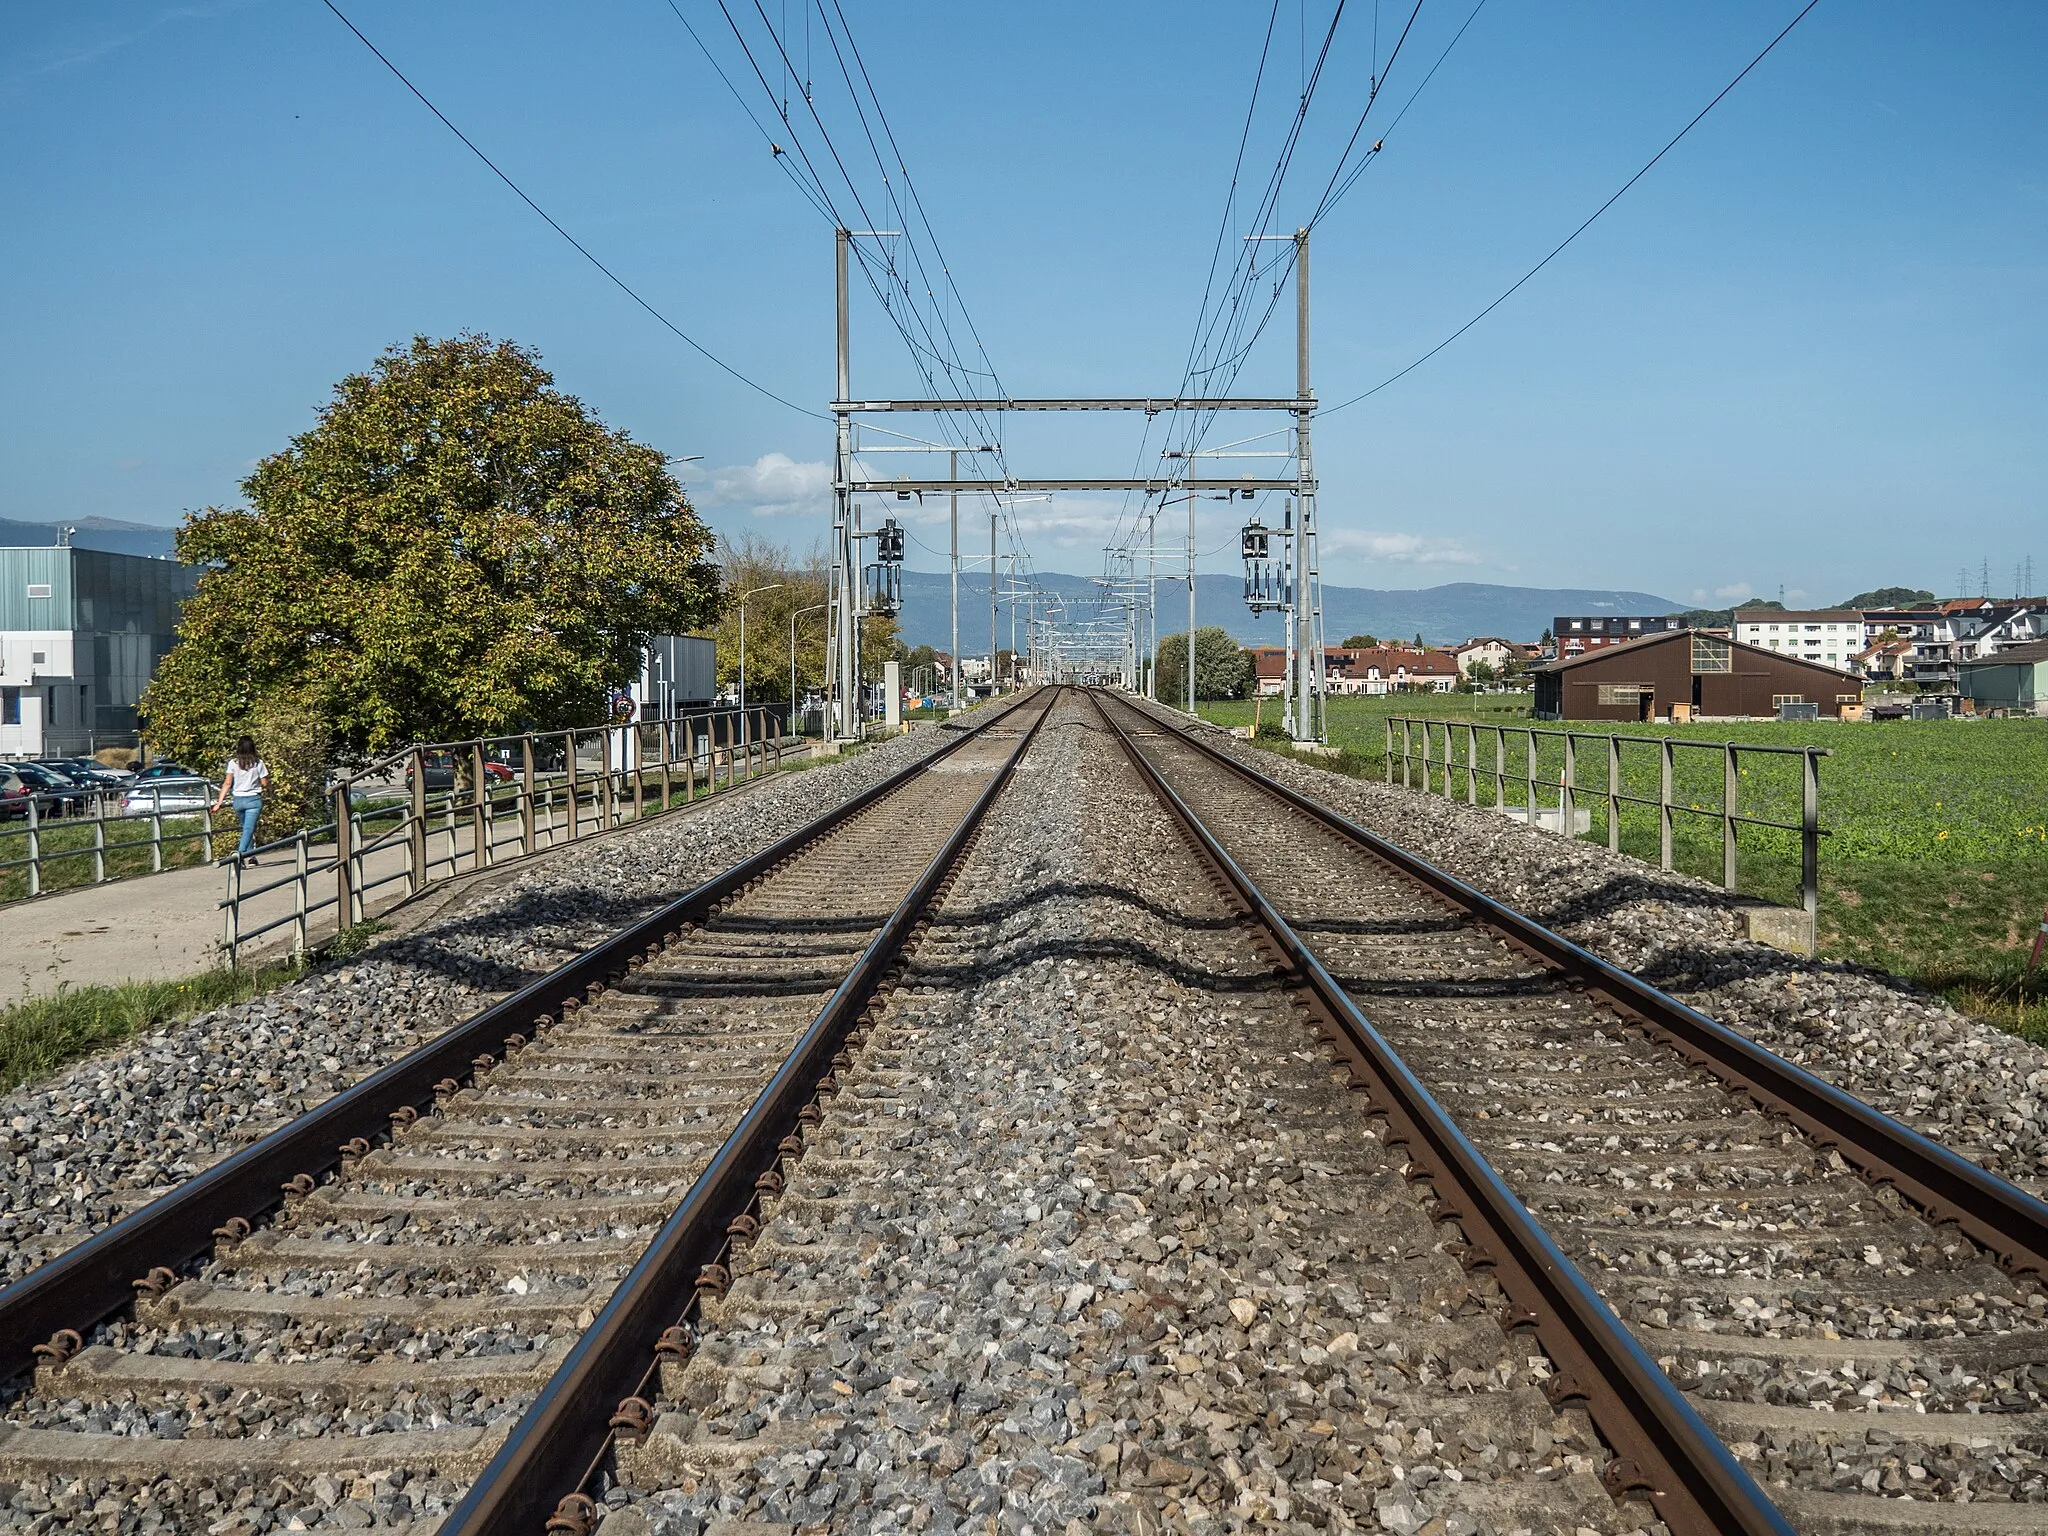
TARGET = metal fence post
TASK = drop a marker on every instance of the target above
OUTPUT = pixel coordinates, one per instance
(1567, 784)
(356, 875)
(479, 810)
(299, 895)
(99, 838)
(1388, 754)
(417, 881)
(232, 914)
(1472, 764)
(575, 810)
(1407, 752)
(344, 851)
(1500, 766)
(156, 837)
(35, 849)
(1668, 753)
(1730, 793)
(528, 841)
(1809, 846)
(1614, 794)
(1529, 742)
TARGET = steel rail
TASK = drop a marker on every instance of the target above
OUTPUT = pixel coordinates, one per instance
(1661, 1445)
(101, 1275)
(537, 1476)
(1993, 1213)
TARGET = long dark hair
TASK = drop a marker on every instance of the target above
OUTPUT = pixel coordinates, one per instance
(245, 751)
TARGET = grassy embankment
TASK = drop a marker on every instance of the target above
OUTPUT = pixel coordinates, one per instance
(1936, 862)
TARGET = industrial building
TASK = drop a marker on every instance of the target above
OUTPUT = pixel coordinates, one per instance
(2014, 679)
(1688, 675)
(1574, 634)
(81, 633)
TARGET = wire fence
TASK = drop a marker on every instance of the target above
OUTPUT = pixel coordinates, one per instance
(442, 809)
(1745, 814)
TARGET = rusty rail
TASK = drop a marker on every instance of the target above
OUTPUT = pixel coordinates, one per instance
(1662, 1447)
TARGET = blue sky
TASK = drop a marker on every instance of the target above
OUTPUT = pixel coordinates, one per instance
(1806, 350)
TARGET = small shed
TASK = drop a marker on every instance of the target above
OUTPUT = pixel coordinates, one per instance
(1688, 674)
(2015, 678)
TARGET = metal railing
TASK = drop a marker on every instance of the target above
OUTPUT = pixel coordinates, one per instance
(505, 797)
(50, 841)
(1435, 758)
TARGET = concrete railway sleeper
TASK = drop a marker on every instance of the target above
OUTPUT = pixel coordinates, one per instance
(1855, 1311)
(1095, 1239)
(454, 1272)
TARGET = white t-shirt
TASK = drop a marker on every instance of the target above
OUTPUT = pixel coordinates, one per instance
(246, 781)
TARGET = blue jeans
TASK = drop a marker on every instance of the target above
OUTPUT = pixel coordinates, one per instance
(248, 807)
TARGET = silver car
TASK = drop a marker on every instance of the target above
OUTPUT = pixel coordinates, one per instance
(168, 797)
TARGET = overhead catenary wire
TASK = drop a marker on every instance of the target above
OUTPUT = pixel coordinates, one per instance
(1558, 249)
(583, 250)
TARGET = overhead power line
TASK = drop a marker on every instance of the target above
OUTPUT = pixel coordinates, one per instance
(583, 250)
(1595, 214)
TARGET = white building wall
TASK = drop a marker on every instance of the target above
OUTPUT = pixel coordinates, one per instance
(37, 686)
(1831, 642)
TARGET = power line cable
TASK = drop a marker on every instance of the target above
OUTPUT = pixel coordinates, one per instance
(1568, 239)
(620, 283)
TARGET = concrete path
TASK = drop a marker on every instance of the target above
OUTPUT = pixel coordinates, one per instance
(165, 927)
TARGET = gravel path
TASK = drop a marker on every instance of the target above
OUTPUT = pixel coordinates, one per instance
(1969, 1085)
(1093, 1239)
(112, 1132)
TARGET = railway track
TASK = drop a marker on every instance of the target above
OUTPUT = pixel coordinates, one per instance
(1855, 1313)
(430, 1299)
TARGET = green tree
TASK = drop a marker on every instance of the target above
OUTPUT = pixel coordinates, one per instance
(1360, 642)
(1223, 669)
(456, 548)
(1888, 597)
(783, 586)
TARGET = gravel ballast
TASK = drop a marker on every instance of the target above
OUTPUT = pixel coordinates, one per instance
(1093, 1238)
(1969, 1085)
(107, 1134)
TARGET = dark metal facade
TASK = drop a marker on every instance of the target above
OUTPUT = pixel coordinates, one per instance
(1710, 677)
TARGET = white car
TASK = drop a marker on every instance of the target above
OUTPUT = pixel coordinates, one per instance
(169, 797)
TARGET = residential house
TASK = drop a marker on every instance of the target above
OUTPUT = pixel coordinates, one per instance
(1379, 669)
(1494, 652)
(1830, 636)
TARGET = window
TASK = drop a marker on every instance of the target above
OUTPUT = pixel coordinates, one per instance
(1578, 623)
(38, 658)
(1845, 698)
(1778, 699)
(1710, 654)
(10, 706)
(39, 589)
(1629, 694)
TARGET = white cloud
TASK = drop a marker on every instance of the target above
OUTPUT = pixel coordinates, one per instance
(1398, 548)
(774, 485)
(1735, 591)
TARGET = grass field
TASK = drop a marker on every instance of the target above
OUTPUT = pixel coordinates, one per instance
(67, 849)
(1936, 860)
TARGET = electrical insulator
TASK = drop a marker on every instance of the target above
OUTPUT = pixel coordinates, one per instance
(1264, 582)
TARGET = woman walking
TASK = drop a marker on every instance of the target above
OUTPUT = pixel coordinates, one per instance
(244, 782)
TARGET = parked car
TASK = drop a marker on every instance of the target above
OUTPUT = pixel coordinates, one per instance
(169, 796)
(91, 771)
(14, 795)
(64, 794)
(164, 769)
(441, 772)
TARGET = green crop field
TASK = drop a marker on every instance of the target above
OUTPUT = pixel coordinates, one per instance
(1935, 862)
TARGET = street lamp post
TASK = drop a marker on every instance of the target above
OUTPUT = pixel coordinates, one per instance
(773, 586)
(796, 614)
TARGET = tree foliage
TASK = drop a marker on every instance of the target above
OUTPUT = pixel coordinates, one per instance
(1360, 642)
(1888, 597)
(1223, 668)
(456, 548)
(783, 586)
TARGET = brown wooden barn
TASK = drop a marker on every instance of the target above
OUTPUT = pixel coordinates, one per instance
(1687, 675)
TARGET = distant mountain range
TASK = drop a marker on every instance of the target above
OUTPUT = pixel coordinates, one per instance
(1442, 615)
(112, 533)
